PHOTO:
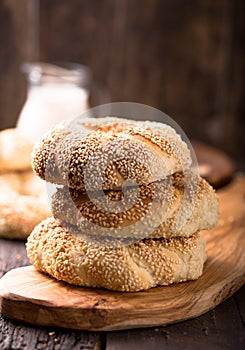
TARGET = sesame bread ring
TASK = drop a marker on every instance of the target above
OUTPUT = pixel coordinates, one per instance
(102, 153)
(22, 204)
(140, 266)
(161, 209)
(15, 151)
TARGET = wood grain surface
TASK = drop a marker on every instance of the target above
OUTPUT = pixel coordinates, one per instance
(29, 296)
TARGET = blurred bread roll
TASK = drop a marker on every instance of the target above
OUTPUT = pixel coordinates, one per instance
(15, 151)
(23, 203)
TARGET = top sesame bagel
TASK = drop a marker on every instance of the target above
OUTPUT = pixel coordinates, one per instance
(103, 153)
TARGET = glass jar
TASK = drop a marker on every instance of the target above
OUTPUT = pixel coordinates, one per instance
(55, 93)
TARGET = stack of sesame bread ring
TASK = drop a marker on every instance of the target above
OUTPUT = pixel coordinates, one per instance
(127, 209)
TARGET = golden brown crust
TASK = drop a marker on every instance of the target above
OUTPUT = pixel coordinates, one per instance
(181, 205)
(23, 204)
(104, 152)
(148, 263)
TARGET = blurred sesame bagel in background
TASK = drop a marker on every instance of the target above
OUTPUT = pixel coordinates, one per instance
(15, 151)
(23, 202)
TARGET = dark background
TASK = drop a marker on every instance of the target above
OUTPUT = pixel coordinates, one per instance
(185, 58)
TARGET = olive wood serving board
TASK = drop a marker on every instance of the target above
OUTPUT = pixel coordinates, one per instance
(29, 296)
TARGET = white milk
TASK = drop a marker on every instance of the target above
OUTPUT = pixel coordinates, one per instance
(49, 101)
(47, 105)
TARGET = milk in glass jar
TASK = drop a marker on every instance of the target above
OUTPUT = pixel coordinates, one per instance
(55, 93)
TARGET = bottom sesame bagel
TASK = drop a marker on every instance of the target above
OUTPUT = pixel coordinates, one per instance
(52, 249)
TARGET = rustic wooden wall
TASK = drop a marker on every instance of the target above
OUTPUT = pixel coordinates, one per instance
(13, 48)
(183, 57)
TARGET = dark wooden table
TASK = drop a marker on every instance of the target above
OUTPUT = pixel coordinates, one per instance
(221, 328)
